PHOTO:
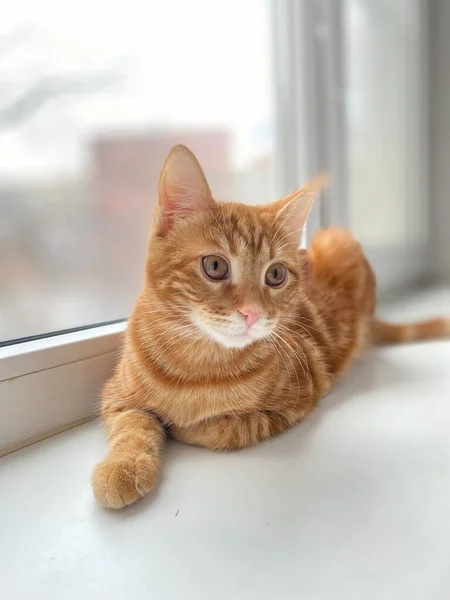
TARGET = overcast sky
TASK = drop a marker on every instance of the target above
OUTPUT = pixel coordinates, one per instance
(187, 63)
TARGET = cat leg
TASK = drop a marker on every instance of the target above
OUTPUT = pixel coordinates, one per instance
(236, 431)
(131, 467)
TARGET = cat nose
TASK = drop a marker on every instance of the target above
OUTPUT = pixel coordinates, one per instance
(251, 314)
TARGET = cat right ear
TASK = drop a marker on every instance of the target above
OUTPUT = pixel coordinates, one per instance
(293, 211)
(182, 189)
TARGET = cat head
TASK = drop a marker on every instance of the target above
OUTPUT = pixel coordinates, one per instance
(230, 272)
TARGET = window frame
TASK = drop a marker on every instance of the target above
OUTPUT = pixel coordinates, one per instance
(52, 383)
(396, 266)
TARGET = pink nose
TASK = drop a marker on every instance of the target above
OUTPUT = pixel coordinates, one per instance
(251, 314)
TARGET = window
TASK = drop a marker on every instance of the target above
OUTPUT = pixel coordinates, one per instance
(385, 126)
(371, 128)
(93, 97)
(383, 115)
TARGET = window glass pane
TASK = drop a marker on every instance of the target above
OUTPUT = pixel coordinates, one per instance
(384, 112)
(93, 96)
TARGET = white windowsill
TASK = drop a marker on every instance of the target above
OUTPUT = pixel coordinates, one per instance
(353, 503)
(29, 357)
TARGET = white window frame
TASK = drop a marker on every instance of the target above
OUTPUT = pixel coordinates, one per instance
(396, 266)
(50, 384)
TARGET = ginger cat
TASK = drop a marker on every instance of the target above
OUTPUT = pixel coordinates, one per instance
(237, 332)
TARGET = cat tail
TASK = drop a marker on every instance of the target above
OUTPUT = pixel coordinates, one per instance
(387, 333)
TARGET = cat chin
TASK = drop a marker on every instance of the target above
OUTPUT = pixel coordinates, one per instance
(231, 341)
(227, 340)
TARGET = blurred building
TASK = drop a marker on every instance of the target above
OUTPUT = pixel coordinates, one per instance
(126, 166)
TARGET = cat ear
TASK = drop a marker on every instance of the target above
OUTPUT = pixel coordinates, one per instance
(182, 189)
(292, 212)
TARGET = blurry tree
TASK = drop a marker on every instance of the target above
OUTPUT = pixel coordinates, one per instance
(19, 100)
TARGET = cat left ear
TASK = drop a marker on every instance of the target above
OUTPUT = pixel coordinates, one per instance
(182, 189)
(293, 211)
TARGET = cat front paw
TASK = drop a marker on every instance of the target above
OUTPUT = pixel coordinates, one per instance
(122, 480)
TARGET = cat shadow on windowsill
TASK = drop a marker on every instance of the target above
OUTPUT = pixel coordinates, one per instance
(372, 372)
(375, 373)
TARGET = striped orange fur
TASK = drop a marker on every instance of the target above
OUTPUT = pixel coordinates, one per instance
(226, 363)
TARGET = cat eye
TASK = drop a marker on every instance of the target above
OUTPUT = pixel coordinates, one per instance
(276, 275)
(215, 267)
